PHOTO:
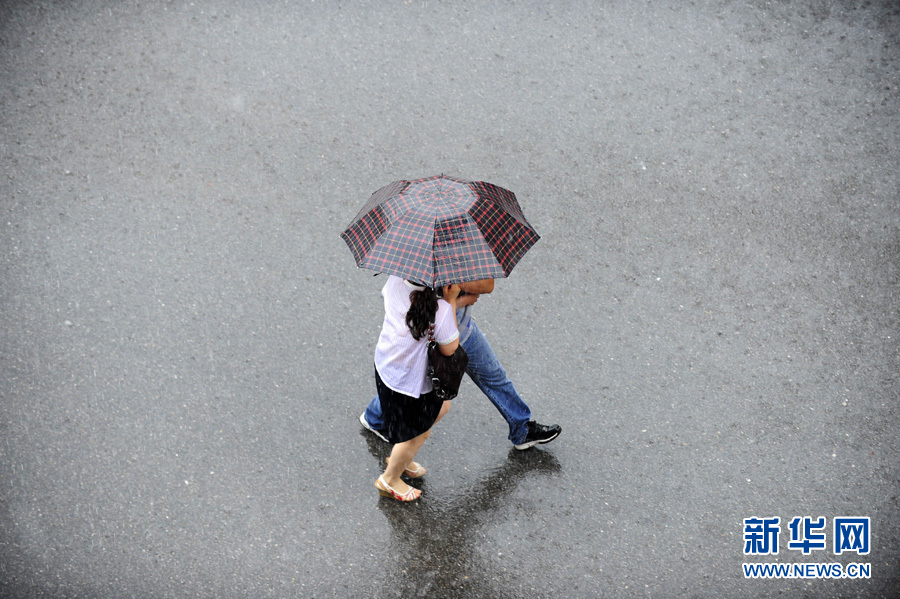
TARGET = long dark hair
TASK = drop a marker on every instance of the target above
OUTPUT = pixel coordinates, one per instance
(421, 312)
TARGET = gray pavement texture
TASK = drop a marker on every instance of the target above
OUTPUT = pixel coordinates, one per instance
(186, 345)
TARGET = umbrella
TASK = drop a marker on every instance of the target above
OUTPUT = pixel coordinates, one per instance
(440, 230)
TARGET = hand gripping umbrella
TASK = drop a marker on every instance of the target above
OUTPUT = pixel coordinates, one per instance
(440, 230)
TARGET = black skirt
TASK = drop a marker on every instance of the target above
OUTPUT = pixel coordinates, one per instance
(405, 417)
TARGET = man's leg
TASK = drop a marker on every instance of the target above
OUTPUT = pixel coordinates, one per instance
(373, 417)
(486, 372)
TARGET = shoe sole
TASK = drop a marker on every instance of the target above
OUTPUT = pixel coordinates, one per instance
(365, 423)
(531, 444)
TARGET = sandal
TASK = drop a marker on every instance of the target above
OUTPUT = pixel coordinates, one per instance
(419, 472)
(385, 490)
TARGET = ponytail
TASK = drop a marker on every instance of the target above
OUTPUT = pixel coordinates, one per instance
(421, 311)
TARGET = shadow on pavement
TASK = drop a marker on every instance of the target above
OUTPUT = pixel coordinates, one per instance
(437, 539)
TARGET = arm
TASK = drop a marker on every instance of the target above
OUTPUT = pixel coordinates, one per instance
(451, 296)
(472, 290)
(478, 287)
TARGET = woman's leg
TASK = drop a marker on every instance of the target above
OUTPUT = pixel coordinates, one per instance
(403, 455)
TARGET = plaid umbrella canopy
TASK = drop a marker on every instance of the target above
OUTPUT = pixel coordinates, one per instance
(440, 230)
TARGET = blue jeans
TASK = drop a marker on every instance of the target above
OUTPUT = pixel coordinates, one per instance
(487, 373)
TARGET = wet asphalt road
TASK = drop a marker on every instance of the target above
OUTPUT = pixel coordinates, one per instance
(712, 313)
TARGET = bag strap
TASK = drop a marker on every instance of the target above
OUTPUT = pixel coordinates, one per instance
(431, 333)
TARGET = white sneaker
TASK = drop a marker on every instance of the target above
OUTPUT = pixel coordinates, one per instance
(365, 423)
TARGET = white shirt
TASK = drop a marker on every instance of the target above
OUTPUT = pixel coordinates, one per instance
(400, 359)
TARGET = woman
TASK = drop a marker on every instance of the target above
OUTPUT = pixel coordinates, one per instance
(401, 357)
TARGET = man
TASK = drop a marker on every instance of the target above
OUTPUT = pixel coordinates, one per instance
(486, 372)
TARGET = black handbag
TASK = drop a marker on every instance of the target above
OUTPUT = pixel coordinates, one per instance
(445, 372)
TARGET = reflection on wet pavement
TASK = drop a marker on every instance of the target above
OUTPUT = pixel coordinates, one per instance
(436, 540)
